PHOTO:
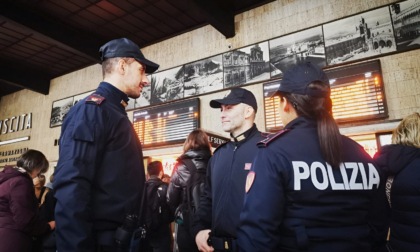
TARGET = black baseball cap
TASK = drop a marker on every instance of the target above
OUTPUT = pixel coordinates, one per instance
(297, 78)
(124, 47)
(236, 96)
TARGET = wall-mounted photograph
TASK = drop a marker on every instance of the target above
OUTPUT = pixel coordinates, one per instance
(306, 45)
(144, 99)
(359, 36)
(406, 20)
(246, 65)
(167, 85)
(203, 76)
(59, 109)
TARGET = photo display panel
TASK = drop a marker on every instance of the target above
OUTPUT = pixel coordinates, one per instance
(166, 124)
(357, 94)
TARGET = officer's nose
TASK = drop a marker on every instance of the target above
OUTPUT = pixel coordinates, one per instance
(145, 80)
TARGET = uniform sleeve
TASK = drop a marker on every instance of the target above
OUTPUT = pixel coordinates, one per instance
(264, 204)
(203, 215)
(25, 209)
(81, 147)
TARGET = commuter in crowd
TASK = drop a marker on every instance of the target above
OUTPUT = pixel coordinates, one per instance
(39, 185)
(19, 216)
(158, 215)
(166, 178)
(309, 188)
(217, 216)
(46, 211)
(182, 198)
(400, 162)
(100, 175)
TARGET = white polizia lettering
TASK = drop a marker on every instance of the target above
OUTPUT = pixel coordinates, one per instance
(354, 176)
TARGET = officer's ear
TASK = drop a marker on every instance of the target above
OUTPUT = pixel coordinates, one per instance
(121, 66)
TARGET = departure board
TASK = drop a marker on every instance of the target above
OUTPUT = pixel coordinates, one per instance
(357, 93)
(166, 124)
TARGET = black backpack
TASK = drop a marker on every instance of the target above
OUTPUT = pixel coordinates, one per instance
(195, 186)
(157, 211)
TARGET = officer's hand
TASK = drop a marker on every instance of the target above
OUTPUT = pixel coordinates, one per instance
(52, 225)
(201, 240)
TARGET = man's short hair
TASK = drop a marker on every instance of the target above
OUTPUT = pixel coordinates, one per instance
(154, 168)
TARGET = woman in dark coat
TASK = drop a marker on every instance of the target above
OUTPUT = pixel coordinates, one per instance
(198, 150)
(19, 219)
(400, 161)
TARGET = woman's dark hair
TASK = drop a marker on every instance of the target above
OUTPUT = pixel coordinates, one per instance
(320, 109)
(32, 160)
(197, 139)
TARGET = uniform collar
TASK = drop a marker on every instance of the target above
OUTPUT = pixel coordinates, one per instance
(301, 122)
(244, 135)
(113, 94)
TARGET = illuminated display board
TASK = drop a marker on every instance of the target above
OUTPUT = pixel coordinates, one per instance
(357, 94)
(166, 124)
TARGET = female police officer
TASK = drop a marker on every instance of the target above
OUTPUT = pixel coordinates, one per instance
(309, 188)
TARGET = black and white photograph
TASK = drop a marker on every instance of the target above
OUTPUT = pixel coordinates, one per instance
(246, 65)
(144, 99)
(406, 20)
(303, 46)
(203, 76)
(360, 36)
(59, 109)
(79, 97)
(167, 85)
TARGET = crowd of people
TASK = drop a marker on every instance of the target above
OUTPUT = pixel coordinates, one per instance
(304, 188)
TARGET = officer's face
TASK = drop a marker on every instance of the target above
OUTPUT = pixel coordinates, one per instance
(233, 118)
(135, 79)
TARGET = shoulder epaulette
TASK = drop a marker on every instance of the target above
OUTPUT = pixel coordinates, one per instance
(264, 143)
(95, 99)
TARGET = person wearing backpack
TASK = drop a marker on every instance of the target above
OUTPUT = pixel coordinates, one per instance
(158, 216)
(186, 184)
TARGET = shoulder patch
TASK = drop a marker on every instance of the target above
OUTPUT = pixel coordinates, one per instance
(95, 99)
(264, 143)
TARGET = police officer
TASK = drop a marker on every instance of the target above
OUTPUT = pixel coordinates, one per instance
(100, 175)
(309, 188)
(222, 199)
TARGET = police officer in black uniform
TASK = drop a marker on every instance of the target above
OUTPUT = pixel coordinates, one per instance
(100, 174)
(222, 199)
(309, 188)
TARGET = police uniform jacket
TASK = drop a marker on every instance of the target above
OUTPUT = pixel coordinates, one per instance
(222, 199)
(403, 163)
(297, 202)
(100, 174)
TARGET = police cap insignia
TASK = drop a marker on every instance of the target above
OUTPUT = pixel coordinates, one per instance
(264, 143)
(95, 98)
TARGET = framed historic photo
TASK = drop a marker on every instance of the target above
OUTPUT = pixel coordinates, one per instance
(203, 76)
(360, 36)
(167, 85)
(405, 18)
(288, 50)
(59, 110)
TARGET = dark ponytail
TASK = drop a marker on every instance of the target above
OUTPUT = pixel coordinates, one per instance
(320, 109)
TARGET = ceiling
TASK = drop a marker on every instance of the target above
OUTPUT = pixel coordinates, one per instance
(44, 39)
